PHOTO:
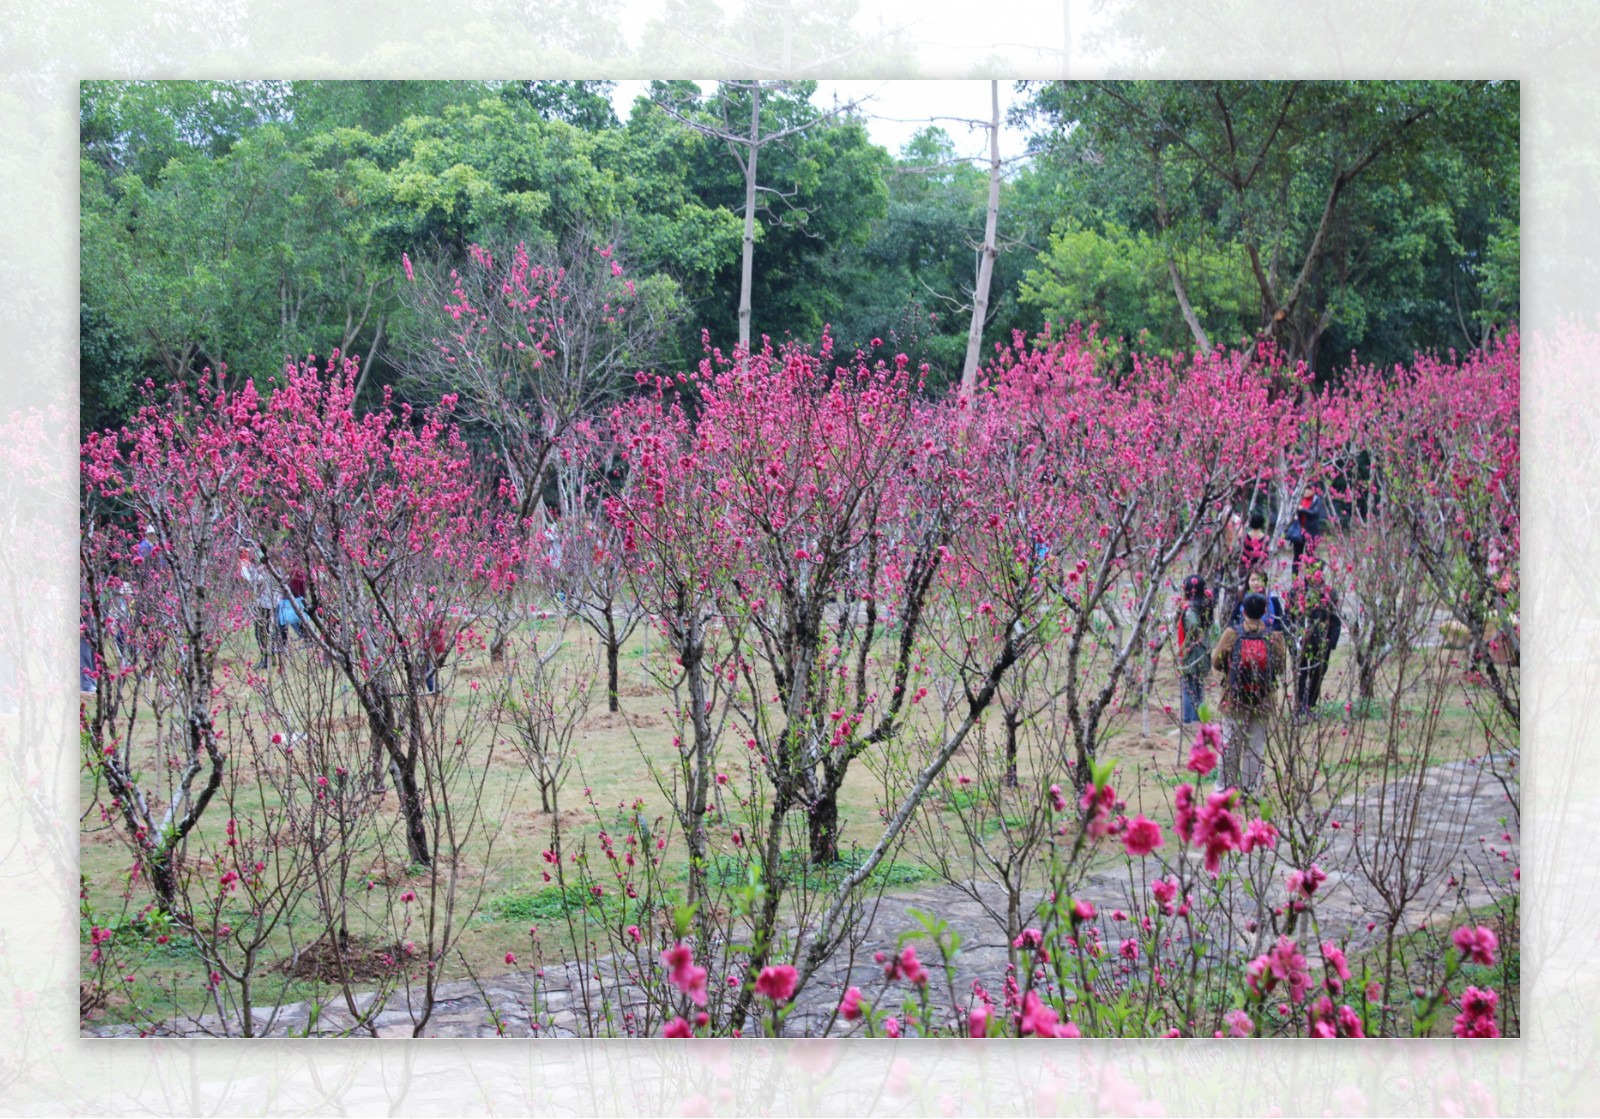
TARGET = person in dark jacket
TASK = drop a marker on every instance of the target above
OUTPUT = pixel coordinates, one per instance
(1307, 527)
(1194, 645)
(1318, 628)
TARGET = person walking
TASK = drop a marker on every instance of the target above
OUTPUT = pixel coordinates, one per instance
(434, 644)
(1251, 657)
(265, 596)
(1252, 550)
(1318, 627)
(1194, 646)
(1307, 528)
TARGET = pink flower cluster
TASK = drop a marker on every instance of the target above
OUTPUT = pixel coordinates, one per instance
(1207, 749)
(1476, 945)
(777, 982)
(1477, 1014)
(905, 966)
(1325, 1021)
(1040, 1019)
(684, 974)
(1284, 962)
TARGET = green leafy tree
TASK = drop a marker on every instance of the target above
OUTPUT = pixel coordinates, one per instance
(1324, 186)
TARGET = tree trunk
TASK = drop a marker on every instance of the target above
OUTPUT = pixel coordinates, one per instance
(164, 879)
(980, 294)
(1013, 719)
(824, 823)
(403, 774)
(411, 811)
(613, 673)
(1163, 222)
(746, 265)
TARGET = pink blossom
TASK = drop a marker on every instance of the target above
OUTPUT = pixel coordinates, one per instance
(1040, 1019)
(1203, 754)
(850, 1005)
(1142, 837)
(777, 982)
(1258, 833)
(1165, 891)
(1477, 944)
(1239, 1024)
(677, 1028)
(1338, 970)
(1305, 882)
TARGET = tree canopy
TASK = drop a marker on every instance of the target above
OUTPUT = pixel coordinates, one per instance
(245, 223)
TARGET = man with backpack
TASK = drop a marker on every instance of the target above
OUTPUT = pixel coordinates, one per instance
(1251, 657)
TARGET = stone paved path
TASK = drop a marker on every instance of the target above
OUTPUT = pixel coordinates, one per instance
(1466, 827)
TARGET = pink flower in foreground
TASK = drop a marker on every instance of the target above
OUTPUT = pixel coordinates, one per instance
(511, 957)
(1041, 1019)
(1288, 964)
(683, 974)
(677, 960)
(1476, 945)
(677, 1028)
(1058, 800)
(1306, 881)
(1338, 970)
(1258, 833)
(978, 1019)
(850, 1005)
(1239, 1023)
(911, 967)
(891, 1026)
(1202, 758)
(778, 982)
(1477, 1014)
(1165, 891)
(1217, 828)
(1029, 939)
(1142, 837)
(1183, 813)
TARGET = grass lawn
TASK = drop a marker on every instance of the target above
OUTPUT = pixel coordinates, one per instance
(614, 757)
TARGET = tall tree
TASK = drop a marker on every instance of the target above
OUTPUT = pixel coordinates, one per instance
(753, 119)
(1288, 172)
(980, 294)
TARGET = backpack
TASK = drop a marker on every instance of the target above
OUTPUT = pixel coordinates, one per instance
(289, 611)
(1250, 667)
(1196, 656)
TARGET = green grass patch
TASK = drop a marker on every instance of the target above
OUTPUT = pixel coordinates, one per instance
(796, 868)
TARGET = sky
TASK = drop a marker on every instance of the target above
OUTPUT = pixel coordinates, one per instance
(897, 110)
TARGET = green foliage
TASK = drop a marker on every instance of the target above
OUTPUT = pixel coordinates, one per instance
(1119, 278)
(548, 904)
(241, 222)
(796, 869)
(1366, 209)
